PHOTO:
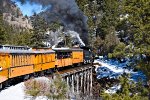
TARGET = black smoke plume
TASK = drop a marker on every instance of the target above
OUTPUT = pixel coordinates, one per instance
(66, 12)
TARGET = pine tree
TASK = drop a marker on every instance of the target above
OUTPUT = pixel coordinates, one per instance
(110, 42)
(137, 24)
(54, 26)
(119, 51)
(103, 18)
(98, 42)
(128, 91)
(2, 31)
(90, 9)
(111, 10)
(58, 88)
(68, 40)
(39, 29)
(139, 21)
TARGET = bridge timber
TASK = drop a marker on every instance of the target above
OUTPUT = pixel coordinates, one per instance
(80, 79)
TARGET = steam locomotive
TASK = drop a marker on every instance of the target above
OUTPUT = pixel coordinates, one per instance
(23, 61)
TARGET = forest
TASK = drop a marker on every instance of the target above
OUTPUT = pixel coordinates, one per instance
(117, 29)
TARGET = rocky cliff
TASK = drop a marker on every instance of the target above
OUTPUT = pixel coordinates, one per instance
(13, 15)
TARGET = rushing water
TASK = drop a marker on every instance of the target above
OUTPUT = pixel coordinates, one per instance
(111, 68)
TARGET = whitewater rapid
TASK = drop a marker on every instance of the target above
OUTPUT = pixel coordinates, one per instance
(112, 69)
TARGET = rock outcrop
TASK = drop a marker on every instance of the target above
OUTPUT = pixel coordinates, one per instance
(13, 15)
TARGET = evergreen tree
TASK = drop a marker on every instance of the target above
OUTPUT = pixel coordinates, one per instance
(110, 12)
(110, 42)
(133, 27)
(2, 31)
(54, 26)
(97, 45)
(90, 9)
(128, 91)
(119, 51)
(127, 19)
(51, 89)
(58, 88)
(68, 40)
(39, 29)
(103, 18)
(139, 23)
(82, 4)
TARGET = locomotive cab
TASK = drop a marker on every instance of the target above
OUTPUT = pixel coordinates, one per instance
(88, 55)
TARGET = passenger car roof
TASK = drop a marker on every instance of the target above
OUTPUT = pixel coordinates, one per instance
(25, 51)
(67, 49)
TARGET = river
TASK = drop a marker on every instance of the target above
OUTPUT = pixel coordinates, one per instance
(112, 69)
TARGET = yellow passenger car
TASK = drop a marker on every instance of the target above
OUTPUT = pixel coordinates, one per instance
(18, 62)
(4, 66)
(77, 56)
(67, 57)
(63, 57)
(44, 60)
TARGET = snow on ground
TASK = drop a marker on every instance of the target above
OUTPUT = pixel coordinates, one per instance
(96, 66)
(16, 92)
(13, 93)
(113, 89)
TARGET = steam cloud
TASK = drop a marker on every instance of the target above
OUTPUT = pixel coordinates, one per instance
(66, 12)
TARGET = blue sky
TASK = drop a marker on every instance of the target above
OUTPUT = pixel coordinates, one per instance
(29, 9)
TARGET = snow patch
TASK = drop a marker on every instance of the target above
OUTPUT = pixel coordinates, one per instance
(96, 65)
(113, 89)
(16, 92)
(13, 93)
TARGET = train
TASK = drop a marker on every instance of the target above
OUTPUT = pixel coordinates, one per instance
(23, 61)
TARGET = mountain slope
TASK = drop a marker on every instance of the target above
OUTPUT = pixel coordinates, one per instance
(13, 15)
